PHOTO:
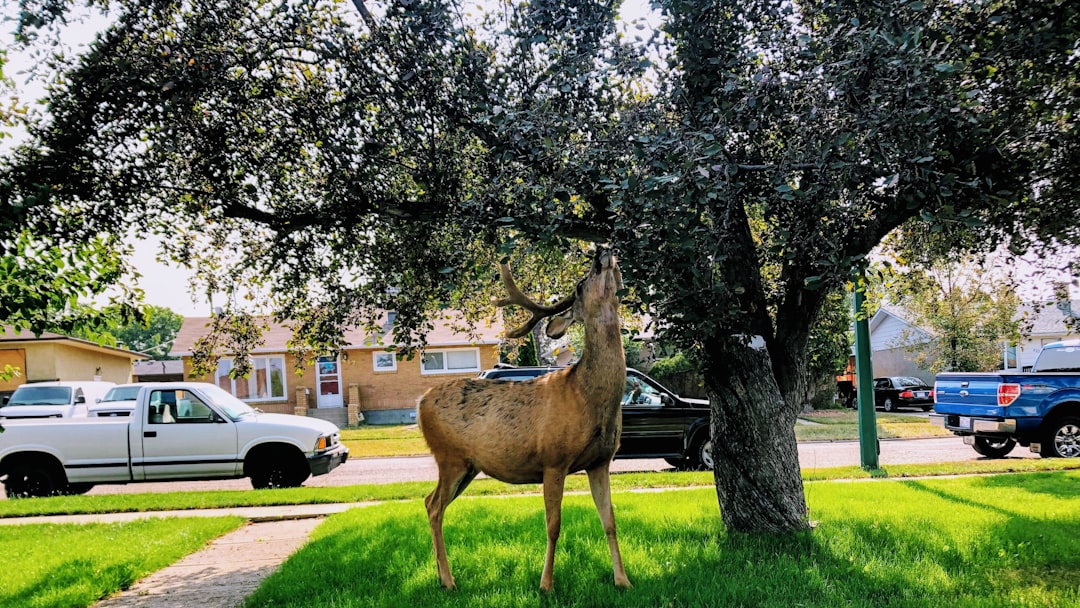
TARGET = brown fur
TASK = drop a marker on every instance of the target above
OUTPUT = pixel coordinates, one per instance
(537, 430)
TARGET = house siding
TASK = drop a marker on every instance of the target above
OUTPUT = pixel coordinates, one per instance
(58, 361)
(378, 391)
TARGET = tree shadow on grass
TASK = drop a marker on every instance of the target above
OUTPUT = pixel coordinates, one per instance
(676, 554)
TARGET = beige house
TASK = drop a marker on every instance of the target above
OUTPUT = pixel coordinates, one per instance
(364, 381)
(57, 357)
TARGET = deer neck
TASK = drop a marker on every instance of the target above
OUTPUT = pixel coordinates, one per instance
(602, 368)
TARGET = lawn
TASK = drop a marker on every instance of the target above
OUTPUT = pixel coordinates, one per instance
(367, 441)
(975, 541)
(116, 503)
(837, 425)
(76, 565)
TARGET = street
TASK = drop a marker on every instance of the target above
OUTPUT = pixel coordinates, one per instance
(812, 455)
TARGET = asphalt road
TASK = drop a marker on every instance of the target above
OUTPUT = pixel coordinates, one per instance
(813, 455)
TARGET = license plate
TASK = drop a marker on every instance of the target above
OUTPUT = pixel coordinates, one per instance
(964, 422)
(922, 394)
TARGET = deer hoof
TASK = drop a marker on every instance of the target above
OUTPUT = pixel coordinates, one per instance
(623, 583)
(449, 585)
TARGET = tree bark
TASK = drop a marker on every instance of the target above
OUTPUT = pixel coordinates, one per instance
(758, 481)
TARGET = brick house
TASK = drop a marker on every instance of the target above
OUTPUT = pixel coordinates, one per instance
(363, 382)
(53, 356)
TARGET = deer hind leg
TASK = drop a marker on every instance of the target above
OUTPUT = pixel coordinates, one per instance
(453, 477)
(554, 481)
(600, 485)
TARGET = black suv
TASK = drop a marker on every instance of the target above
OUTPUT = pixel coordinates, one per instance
(657, 423)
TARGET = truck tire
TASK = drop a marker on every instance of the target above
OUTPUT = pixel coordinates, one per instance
(994, 447)
(701, 457)
(31, 479)
(888, 406)
(1061, 438)
(280, 472)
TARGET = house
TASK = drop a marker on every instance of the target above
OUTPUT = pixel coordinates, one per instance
(365, 380)
(1041, 324)
(58, 357)
(891, 335)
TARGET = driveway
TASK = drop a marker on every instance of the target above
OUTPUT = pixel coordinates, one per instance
(812, 455)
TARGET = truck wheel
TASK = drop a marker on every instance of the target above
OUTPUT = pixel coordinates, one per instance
(280, 473)
(889, 406)
(701, 456)
(1062, 438)
(30, 479)
(994, 447)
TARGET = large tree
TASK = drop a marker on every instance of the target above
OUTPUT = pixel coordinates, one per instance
(742, 157)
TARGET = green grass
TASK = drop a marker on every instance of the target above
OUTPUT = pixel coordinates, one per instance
(371, 441)
(76, 565)
(839, 425)
(116, 503)
(979, 541)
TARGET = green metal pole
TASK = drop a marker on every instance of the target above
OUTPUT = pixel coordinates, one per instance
(864, 378)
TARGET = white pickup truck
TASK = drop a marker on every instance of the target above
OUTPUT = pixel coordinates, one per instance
(178, 430)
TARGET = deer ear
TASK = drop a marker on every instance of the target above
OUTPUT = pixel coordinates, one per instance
(558, 324)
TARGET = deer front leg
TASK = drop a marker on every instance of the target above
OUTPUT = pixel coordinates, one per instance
(554, 480)
(600, 485)
(451, 478)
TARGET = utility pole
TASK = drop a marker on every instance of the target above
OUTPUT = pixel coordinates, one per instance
(864, 378)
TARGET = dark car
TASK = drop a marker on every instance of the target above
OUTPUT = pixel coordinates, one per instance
(657, 423)
(902, 391)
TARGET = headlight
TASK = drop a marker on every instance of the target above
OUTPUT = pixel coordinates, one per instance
(326, 442)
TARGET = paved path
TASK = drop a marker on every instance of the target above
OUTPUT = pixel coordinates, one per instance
(224, 573)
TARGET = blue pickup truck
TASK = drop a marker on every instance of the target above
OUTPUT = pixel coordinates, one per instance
(995, 411)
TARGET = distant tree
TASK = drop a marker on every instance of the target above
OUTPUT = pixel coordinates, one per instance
(968, 307)
(153, 334)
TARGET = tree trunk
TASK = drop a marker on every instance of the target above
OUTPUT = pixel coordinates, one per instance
(758, 482)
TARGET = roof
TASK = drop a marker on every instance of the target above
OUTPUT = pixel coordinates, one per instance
(1048, 319)
(276, 337)
(9, 336)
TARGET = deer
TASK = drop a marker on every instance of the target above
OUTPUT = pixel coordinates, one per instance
(539, 430)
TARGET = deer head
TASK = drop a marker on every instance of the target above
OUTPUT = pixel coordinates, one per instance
(598, 289)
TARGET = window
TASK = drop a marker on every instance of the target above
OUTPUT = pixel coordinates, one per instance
(640, 393)
(177, 407)
(456, 361)
(266, 382)
(384, 362)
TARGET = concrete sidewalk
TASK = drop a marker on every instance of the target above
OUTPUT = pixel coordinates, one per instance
(252, 514)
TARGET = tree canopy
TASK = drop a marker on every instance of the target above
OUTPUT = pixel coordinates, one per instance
(741, 156)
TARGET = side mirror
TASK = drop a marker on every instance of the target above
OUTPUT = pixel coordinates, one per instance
(666, 399)
(80, 399)
(218, 418)
(6, 399)
(98, 400)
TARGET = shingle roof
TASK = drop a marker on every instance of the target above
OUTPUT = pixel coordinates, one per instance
(11, 335)
(277, 336)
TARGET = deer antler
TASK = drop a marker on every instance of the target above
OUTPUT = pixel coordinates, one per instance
(538, 312)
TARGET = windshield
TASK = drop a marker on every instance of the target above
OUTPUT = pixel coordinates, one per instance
(122, 393)
(233, 407)
(906, 381)
(41, 395)
(1061, 359)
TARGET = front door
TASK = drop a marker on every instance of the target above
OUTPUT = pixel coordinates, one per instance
(328, 381)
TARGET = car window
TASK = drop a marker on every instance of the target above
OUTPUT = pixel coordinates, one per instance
(177, 407)
(640, 393)
(121, 393)
(906, 381)
(882, 383)
(41, 395)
